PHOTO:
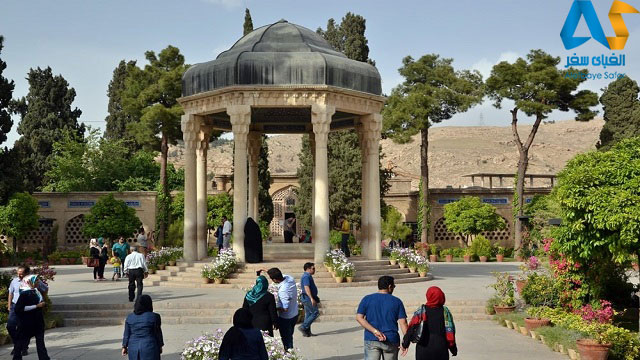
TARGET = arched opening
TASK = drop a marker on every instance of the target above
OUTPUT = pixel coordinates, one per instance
(284, 202)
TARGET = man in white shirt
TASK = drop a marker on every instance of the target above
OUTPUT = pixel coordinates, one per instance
(287, 305)
(226, 233)
(136, 266)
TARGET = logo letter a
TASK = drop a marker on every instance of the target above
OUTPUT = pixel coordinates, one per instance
(578, 9)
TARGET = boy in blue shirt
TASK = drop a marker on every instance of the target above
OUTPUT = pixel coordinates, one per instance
(380, 314)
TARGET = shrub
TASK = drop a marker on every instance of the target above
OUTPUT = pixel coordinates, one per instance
(335, 239)
(458, 252)
(481, 246)
(504, 289)
(446, 252)
(541, 290)
(493, 301)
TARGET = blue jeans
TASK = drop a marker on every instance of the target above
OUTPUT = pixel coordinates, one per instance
(286, 327)
(376, 350)
(310, 312)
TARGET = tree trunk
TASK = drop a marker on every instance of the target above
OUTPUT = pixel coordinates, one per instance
(164, 149)
(424, 178)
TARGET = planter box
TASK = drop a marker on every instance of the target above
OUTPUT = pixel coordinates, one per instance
(591, 350)
(531, 323)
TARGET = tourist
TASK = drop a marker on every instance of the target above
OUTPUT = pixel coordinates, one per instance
(437, 336)
(287, 305)
(136, 266)
(102, 258)
(345, 229)
(14, 295)
(142, 242)
(115, 261)
(309, 299)
(380, 314)
(121, 250)
(28, 310)
(289, 228)
(242, 341)
(218, 235)
(262, 305)
(226, 233)
(142, 339)
(94, 253)
(252, 242)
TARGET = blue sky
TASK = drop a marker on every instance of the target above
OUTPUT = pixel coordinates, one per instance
(84, 40)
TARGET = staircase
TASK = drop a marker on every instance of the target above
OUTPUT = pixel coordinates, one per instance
(219, 313)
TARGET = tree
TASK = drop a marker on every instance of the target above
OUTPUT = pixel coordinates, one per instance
(111, 218)
(46, 116)
(265, 202)
(219, 205)
(118, 119)
(304, 192)
(151, 95)
(537, 87)
(621, 112)
(6, 94)
(469, 216)
(247, 27)
(19, 217)
(432, 91)
(393, 227)
(11, 179)
(345, 176)
(348, 37)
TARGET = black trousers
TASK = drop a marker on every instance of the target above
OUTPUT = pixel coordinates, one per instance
(345, 245)
(288, 236)
(135, 280)
(23, 343)
(103, 263)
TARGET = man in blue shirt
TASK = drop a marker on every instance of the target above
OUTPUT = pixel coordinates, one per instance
(287, 305)
(309, 299)
(380, 314)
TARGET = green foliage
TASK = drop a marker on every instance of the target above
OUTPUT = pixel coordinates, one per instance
(111, 218)
(393, 228)
(469, 216)
(504, 289)
(348, 37)
(219, 205)
(46, 116)
(541, 290)
(335, 239)
(11, 180)
(19, 216)
(265, 201)
(6, 94)
(621, 112)
(175, 235)
(247, 27)
(265, 231)
(481, 246)
(118, 119)
(304, 192)
(542, 208)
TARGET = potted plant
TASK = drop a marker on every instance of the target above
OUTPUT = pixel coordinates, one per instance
(448, 254)
(422, 248)
(433, 253)
(152, 269)
(346, 270)
(535, 319)
(393, 256)
(500, 253)
(206, 273)
(505, 294)
(481, 247)
(423, 268)
(468, 253)
(403, 257)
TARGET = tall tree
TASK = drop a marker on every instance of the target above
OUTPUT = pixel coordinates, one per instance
(433, 91)
(118, 119)
(151, 95)
(304, 192)
(6, 94)
(46, 115)
(265, 210)
(10, 180)
(621, 112)
(247, 27)
(537, 87)
(19, 217)
(348, 37)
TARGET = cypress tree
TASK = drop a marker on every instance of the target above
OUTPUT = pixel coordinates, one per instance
(621, 112)
(6, 94)
(265, 210)
(118, 119)
(247, 27)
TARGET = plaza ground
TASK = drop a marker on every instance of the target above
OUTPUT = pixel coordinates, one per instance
(339, 340)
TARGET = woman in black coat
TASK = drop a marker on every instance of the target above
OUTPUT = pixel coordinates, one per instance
(30, 318)
(262, 305)
(438, 335)
(94, 253)
(242, 341)
(252, 242)
(102, 258)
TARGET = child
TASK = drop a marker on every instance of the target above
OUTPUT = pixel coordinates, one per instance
(115, 261)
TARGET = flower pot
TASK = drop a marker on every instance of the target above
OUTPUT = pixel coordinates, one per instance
(532, 323)
(339, 279)
(433, 258)
(573, 355)
(393, 262)
(503, 309)
(172, 263)
(423, 274)
(449, 258)
(152, 271)
(63, 261)
(467, 258)
(524, 331)
(484, 258)
(412, 269)
(533, 334)
(519, 258)
(161, 266)
(329, 268)
(509, 324)
(402, 265)
(218, 281)
(520, 285)
(206, 280)
(499, 258)
(85, 259)
(591, 350)
(349, 279)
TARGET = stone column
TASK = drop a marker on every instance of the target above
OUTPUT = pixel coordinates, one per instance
(312, 144)
(364, 209)
(255, 142)
(321, 120)
(202, 145)
(190, 128)
(373, 125)
(240, 119)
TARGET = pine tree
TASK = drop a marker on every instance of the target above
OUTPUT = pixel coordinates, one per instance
(621, 112)
(247, 27)
(46, 115)
(118, 119)
(6, 94)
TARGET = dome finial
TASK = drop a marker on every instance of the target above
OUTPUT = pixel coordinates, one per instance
(282, 21)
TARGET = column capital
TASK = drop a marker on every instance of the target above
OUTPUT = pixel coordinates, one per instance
(190, 126)
(240, 117)
(372, 127)
(321, 120)
(202, 140)
(255, 144)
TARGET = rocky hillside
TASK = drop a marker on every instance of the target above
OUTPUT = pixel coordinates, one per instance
(453, 151)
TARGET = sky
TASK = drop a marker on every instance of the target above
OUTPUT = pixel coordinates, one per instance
(84, 40)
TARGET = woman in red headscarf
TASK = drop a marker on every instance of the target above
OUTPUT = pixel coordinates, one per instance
(432, 329)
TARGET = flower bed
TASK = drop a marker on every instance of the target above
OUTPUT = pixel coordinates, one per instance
(223, 265)
(339, 265)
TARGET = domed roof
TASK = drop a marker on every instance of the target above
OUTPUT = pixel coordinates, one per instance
(281, 54)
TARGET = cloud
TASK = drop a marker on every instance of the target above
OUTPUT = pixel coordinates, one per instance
(229, 4)
(484, 65)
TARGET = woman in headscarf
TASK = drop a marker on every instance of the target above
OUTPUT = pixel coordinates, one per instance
(438, 334)
(94, 253)
(142, 338)
(262, 305)
(103, 257)
(242, 341)
(30, 318)
(252, 242)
